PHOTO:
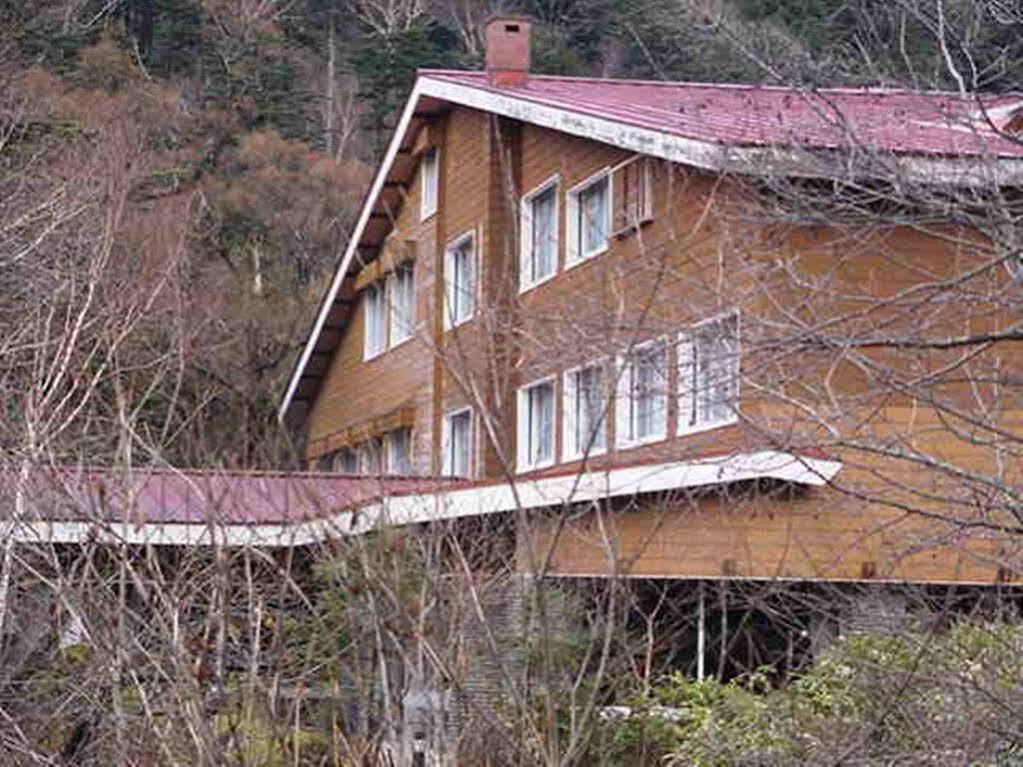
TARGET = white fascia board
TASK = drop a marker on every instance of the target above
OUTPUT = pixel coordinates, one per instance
(702, 154)
(155, 534)
(761, 161)
(588, 487)
(353, 246)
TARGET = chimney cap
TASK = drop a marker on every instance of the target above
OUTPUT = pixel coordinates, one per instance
(498, 16)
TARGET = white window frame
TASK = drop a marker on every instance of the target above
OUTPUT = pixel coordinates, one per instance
(447, 463)
(1014, 265)
(573, 234)
(368, 351)
(449, 270)
(365, 449)
(429, 182)
(338, 460)
(526, 233)
(685, 359)
(523, 456)
(396, 334)
(571, 451)
(623, 397)
(390, 461)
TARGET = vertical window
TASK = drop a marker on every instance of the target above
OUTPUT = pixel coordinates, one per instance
(371, 456)
(584, 428)
(539, 237)
(642, 395)
(399, 452)
(460, 281)
(346, 461)
(402, 300)
(588, 218)
(535, 445)
(375, 319)
(457, 444)
(428, 167)
(708, 374)
(632, 195)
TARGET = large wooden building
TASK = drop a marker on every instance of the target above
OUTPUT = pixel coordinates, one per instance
(763, 324)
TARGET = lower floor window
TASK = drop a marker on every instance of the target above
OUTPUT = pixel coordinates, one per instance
(346, 461)
(708, 374)
(642, 394)
(583, 412)
(371, 456)
(399, 452)
(536, 425)
(457, 445)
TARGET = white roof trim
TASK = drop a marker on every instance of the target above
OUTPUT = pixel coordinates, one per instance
(353, 246)
(545, 492)
(626, 482)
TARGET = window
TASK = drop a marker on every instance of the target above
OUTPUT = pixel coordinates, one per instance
(460, 281)
(642, 395)
(374, 305)
(631, 191)
(536, 425)
(399, 452)
(402, 300)
(708, 374)
(584, 428)
(457, 444)
(539, 237)
(371, 456)
(588, 218)
(1014, 263)
(346, 461)
(428, 166)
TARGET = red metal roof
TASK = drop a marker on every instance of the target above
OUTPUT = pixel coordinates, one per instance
(153, 495)
(900, 121)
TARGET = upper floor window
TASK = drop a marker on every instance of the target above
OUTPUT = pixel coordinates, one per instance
(428, 176)
(589, 218)
(583, 424)
(642, 395)
(539, 237)
(402, 301)
(535, 444)
(457, 443)
(399, 452)
(708, 374)
(631, 190)
(460, 280)
(374, 306)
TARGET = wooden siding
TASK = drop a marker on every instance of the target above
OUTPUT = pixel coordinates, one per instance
(817, 535)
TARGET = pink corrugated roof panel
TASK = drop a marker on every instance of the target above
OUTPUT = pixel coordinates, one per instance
(151, 495)
(912, 122)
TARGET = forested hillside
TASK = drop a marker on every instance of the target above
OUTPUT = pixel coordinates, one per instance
(177, 177)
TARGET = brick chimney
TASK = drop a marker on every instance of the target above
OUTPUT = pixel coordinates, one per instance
(508, 50)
